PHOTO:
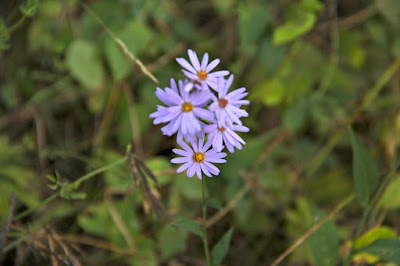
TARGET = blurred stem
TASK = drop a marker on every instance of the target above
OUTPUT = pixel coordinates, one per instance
(321, 155)
(16, 25)
(310, 231)
(73, 185)
(86, 177)
(375, 200)
(205, 242)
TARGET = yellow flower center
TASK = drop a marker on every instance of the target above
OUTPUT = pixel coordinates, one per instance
(202, 75)
(222, 102)
(187, 107)
(198, 157)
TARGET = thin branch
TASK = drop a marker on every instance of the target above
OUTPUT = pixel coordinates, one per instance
(121, 44)
(301, 239)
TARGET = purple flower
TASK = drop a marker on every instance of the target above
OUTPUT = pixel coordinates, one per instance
(198, 158)
(200, 73)
(183, 109)
(225, 135)
(227, 105)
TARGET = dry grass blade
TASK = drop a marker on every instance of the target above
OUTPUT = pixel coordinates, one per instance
(140, 174)
(121, 44)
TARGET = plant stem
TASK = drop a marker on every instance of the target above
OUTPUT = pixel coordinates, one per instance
(205, 242)
(375, 200)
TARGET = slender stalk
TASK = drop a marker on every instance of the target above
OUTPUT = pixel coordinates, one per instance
(375, 200)
(203, 225)
(310, 231)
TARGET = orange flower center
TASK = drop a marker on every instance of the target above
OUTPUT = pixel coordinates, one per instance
(221, 129)
(222, 102)
(187, 107)
(198, 157)
(202, 75)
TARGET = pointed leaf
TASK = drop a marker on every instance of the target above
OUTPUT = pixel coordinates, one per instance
(386, 249)
(324, 242)
(365, 172)
(221, 248)
(189, 225)
(214, 203)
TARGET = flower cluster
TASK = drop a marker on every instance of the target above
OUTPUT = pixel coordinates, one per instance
(203, 113)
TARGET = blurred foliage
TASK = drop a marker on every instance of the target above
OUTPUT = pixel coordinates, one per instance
(71, 101)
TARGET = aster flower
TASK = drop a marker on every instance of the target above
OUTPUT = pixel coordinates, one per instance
(183, 109)
(200, 73)
(198, 159)
(225, 135)
(227, 105)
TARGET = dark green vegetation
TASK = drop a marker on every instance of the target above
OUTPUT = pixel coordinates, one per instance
(74, 108)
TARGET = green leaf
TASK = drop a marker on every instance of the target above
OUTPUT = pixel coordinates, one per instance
(294, 28)
(295, 116)
(271, 92)
(189, 225)
(214, 203)
(136, 37)
(253, 20)
(324, 242)
(386, 249)
(84, 63)
(120, 68)
(29, 7)
(171, 241)
(221, 248)
(365, 172)
(391, 197)
(374, 234)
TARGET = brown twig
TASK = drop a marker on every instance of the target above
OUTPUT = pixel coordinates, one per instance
(123, 229)
(121, 44)
(351, 20)
(229, 206)
(314, 228)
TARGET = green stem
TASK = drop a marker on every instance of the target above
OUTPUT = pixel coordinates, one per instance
(73, 185)
(205, 242)
(16, 25)
(86, 177)
(32, 209)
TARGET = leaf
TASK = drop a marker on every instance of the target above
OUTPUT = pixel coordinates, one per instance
(294, 28)
(84, 64)
(324, 242)
(271, 92)
(365, 172)
(391, 197)
(214, 203)
(295, 116)
(253, 20)
(386, 249)
(119, 67)
(221, 248)
(189, 225)
(29, 7)
(171, 241)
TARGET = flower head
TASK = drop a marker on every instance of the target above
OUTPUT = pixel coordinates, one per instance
(225, 135)
(227, 105)
(200, 74)
(198, 158)
(183, 109)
